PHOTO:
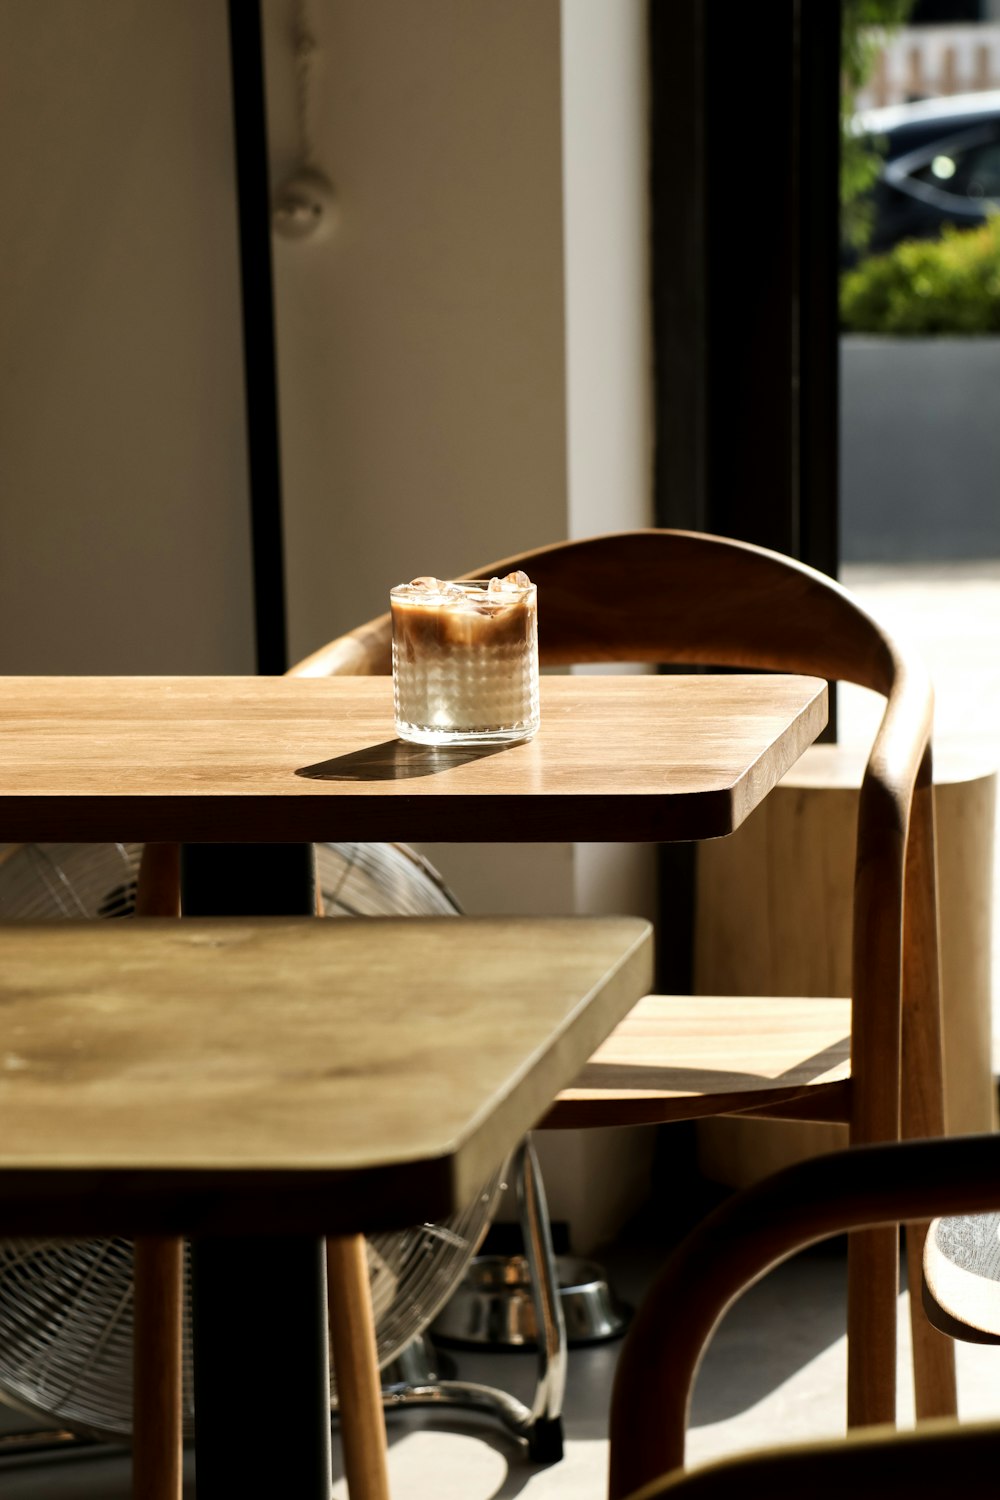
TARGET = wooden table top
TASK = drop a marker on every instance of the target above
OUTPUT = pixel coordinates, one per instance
(252, 759)
(284, 1073)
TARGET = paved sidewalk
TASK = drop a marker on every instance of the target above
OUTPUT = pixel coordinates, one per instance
(951, 612)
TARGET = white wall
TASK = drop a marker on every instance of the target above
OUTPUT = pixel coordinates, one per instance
(421, 345)
(607, 297)
(595, 1178)
(464, 362)
(608, 330)
(464, 359)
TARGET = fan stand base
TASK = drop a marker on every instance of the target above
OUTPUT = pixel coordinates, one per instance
(540, 1425)
(542, 1435)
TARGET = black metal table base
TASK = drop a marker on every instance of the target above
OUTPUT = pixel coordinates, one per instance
(259, 1304)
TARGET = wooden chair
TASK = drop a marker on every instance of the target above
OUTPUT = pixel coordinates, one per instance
(874, 1061)
(729, 1250)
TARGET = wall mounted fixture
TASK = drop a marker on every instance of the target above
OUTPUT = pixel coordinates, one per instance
(305, 205)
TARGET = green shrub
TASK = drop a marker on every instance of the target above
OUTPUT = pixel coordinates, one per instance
(950, 285)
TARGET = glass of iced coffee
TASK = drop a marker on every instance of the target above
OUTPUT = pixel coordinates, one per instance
(465, 660)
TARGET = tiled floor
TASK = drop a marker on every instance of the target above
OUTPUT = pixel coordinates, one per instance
(776, 1369)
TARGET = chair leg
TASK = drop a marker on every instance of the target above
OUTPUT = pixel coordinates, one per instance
(935, 1385)
(157, 1399)
(159, 884)
(352, 1345)
(359, 1390)
(872, 1290)
(922, 1100)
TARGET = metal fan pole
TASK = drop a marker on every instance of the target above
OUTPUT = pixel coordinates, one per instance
(545, 1440)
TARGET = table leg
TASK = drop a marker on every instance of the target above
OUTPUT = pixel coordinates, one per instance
(157, 1364)
(261, 1354)
(359, 1389)
(261, 1368)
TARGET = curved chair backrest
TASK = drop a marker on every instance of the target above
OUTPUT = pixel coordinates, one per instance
(676, 597)
(670, 597)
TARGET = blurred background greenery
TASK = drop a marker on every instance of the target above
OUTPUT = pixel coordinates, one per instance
(945, 282)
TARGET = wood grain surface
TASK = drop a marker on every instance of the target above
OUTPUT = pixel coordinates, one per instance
(350, 1075)
(264, 759)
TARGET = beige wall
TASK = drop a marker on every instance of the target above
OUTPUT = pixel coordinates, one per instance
(123, 539)
(462, 364)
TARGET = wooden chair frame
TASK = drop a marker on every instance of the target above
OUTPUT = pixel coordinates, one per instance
(675, 597)
(869, 1464)
(727, 1252)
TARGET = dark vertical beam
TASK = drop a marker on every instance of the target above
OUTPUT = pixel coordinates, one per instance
(259, 1301)
(679, 291)
(750, 267)
(744, 185)
(819, 260)
(744, 188)
(261, 385)
(678, 250)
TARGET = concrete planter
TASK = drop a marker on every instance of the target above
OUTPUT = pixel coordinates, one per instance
(920, 448)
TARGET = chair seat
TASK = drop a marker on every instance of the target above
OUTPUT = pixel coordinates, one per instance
(676, 1057)
(962, 1277)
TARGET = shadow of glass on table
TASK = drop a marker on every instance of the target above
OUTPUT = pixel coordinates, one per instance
(396, 760)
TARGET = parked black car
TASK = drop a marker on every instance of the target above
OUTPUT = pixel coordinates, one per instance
(942, 166)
